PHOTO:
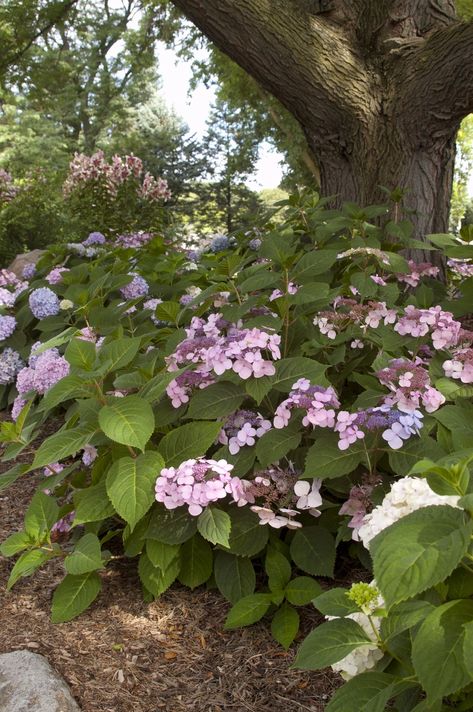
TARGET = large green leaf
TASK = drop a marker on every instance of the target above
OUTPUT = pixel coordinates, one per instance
(188, 441)
(437, 651)
(247, 536)
(216, 401)
(329, 643)
(335, 602)
(285, 625)
(278, 569)
(15, 543)
(154, 579)
(404, 616)
(276, 443)
(81, 354)
(248, 610)
(65, 389)
(86, 556)
(130, 485)
(367, 692)
(40, 516)
(162, 555)
(119, 352)
(302, 590)
(73, 595)
(61, 445)
(128, 420)
(92, 504)
(171, 526)
(27, 564)
(312, 264)
(419, 551)
(325, 460)
(313, 550)
(289, 370)
(234, 576)
(196, 562)
(214, 524)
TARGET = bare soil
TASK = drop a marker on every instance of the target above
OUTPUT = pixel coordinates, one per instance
(124, 655)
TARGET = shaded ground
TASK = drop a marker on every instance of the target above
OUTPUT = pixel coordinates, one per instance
(127, 656)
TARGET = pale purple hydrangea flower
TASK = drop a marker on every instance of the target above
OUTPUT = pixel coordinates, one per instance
(138, 287)
(94, 238)
(318, 402)
(43, 371)
(198, 483)
(10, 364)
(89, 455)
(29, 271)
(44, 302)
(55, 276)
(18, 405)
(255, 244)
(220, 243)
(7, 327)
(243, 428)
(64, 525)
(7, 298)
(134, 239)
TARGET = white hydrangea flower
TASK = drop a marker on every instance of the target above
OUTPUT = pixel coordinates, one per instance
(407, 495)
(366, 656)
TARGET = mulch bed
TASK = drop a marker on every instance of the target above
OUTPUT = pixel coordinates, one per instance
(124, 655)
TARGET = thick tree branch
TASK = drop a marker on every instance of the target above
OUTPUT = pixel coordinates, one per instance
(300, 56)
(438, 83)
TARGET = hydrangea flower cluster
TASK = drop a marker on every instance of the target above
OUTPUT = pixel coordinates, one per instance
(89, 455)
(55, 276)
(220, 243)
(366, 656)
(7, 327)
(151, 305)
(10, 364)
(9, 279)
(444, 330)
(282, 496)
(396, 426)
(410, 385)
(94, 238)
(212, 350)
(82, 250)
(460, 366)
(359, 503)
(317, 401)
(29, 271)
(64, 525)
(461, 268)
(198, 483)
(138, 287)
(43, 371)
(417, 272)
(43, 303)
(180, 388)
(406, 495)
(292, 288)
(348, 311)
(7, 298)
(134, 239)
(255, 244)
(242, 428)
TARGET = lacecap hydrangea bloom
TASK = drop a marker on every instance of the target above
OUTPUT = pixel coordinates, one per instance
(198, 483)
(243, 428)
(43, 303)
(7, 327)
(460, 366)
(406, 495)
(318, 402)
(94, 238)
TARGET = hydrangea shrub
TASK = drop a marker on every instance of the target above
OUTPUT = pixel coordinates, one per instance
(250, 413)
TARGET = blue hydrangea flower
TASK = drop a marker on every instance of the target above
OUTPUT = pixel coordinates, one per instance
(10, 364)
(7, 327)
(29, 271)
(138, 287)
(220, 243)
(44, 302)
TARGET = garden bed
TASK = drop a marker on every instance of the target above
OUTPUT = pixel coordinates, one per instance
(124, 655)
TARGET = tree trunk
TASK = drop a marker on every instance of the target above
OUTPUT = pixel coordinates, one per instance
(357, 172)
(378, 86)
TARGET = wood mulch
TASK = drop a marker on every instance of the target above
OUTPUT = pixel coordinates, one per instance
(124, 655)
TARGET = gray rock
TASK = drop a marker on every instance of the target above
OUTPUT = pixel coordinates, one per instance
(28, 683)
(20, 261)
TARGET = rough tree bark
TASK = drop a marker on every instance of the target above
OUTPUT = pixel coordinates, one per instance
(378, 86)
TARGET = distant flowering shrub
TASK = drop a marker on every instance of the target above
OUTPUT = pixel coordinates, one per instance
(254, 419)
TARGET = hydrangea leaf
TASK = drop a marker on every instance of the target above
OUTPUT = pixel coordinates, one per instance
(128, 420)
(73, 595)
(330, 642)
